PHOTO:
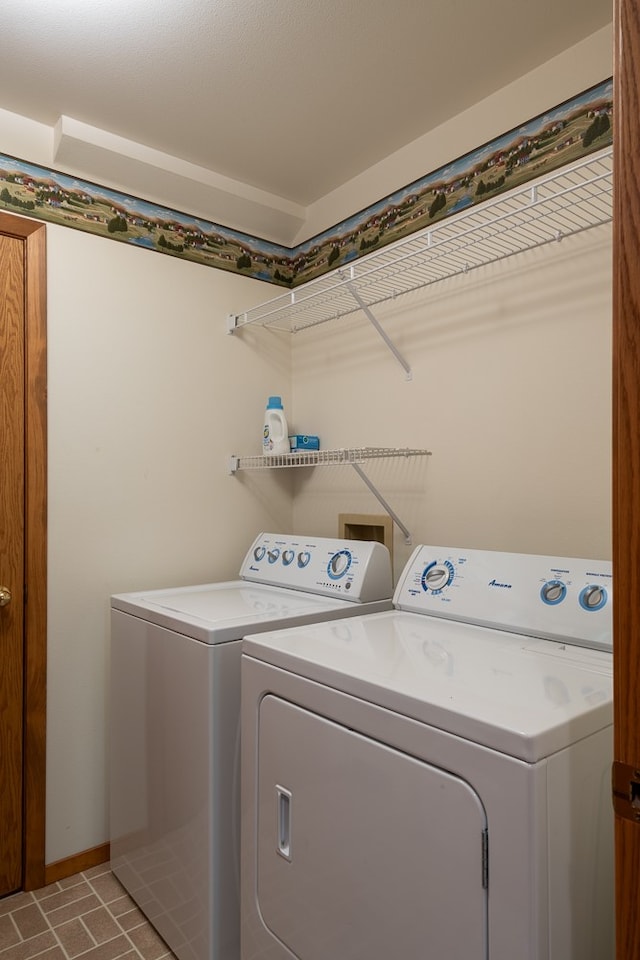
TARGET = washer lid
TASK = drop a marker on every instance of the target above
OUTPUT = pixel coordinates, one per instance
(218, 612)
(524, 697)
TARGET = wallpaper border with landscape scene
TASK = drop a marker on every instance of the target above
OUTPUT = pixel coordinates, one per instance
(560, 136)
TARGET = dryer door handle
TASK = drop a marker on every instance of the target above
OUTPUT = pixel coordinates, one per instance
(283, 825)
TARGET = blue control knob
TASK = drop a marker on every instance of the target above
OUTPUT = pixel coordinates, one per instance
(553, 592)
(339, 564)
(437, 576)
(259, 553)
(303, 558)
(273, 555)
(593, 597)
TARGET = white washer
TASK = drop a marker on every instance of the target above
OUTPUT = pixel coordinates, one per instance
(175, 705)
(434, 781)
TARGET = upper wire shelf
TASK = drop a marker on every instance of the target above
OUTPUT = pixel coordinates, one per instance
(568, 201)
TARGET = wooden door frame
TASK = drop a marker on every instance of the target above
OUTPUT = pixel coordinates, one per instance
(626, 458)
(33, 236)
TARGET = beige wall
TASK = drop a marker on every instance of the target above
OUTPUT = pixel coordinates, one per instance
(148, 396)
(510, 392)
(511, 387)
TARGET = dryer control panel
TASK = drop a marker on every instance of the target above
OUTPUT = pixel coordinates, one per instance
(358, 570)
(560, 598)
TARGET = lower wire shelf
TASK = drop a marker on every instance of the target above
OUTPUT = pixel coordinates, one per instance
(350, 456)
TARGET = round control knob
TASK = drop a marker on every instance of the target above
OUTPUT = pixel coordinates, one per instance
(437, 576)
(287, 557)
(553, 591)
(303, 558)
(339, 564)
(273, 555)
(593, 597)
(258, 553)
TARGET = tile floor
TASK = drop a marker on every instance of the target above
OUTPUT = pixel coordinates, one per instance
(86, 917)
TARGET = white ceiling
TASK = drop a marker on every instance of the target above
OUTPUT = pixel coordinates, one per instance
(294, 97)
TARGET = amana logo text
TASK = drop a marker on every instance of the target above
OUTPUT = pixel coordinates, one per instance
(494, 583)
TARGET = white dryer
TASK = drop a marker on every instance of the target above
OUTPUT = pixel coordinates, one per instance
(434, 781)
(175, 724)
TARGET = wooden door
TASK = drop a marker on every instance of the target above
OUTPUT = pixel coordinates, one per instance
(22, 553)
(626, 472)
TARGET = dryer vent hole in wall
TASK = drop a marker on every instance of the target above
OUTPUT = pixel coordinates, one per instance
(365, 526)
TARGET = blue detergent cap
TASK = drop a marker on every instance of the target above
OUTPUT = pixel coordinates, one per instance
(275, 403)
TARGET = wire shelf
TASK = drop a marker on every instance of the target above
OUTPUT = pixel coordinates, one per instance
(352, 456)
(319, 458)
(566, 202)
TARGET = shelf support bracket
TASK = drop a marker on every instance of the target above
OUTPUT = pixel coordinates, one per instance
(394, 516)
(376, 324)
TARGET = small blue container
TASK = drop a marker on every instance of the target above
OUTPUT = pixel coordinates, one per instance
(304, 442)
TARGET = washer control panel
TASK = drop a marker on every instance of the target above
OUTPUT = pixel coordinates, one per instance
(357, 570)
(560, 598)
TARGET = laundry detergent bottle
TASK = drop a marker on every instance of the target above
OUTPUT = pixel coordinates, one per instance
(275, 437)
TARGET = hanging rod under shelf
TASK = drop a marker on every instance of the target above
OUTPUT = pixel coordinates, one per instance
(567, 201)
(352, 456)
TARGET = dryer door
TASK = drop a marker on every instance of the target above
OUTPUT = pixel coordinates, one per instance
(364, 852)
